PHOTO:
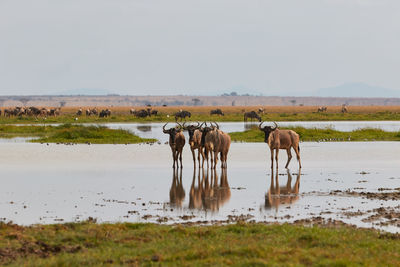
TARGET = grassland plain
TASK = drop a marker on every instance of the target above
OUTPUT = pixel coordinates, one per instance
(68, 133)
(202, 113)
(328, 134)
(240, 244)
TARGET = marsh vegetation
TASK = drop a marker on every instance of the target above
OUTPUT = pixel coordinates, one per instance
(68, 133)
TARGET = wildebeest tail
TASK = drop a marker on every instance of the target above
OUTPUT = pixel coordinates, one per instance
(298, 148)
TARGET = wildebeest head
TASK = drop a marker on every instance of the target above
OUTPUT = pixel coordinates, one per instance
(267, 130)
(172, 132)
(191, 129)
(204, 130)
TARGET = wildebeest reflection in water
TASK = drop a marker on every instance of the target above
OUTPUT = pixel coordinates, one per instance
(208, 194)
(286, 194)
(144, 128)
(176, 193)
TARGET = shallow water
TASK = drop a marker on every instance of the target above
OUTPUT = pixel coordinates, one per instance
(58, 183)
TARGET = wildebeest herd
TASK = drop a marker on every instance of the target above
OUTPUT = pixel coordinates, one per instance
(207, 139)
(210, 141)
(30, 111)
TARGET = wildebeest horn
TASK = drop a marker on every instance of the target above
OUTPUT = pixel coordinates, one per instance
(276, 125)
(165, 131)
(198, 124)
(259, 126)
(179, 125)
(184, 127)
(216, 124)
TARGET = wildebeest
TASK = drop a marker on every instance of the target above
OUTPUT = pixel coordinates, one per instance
(286, 194)
(205, 130)
(33, 111)
(261, 111)
(44, 112)
(182, 114)
(217, 142)
(79, 112)
(217, 112)
(8, 112)
(92, 111)
(322, 109)
(344, 109)
(105, 113)
(252, 115)
(140, 113)
(176, 142)
(195, 141)
(54, 112)
(281, 139)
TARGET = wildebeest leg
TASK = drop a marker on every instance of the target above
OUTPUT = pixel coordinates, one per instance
(211, 158)
(289, 156)
(276, 157)
(173, 158)
(272, 158)
(180, 157)
(215, 159)
(296, 149)
(198, 155)
(205, 154)
(194, 157)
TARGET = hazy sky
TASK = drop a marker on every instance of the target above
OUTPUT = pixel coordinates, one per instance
(197, 47)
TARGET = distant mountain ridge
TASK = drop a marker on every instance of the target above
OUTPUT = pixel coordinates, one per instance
(356, 90)
(86, 91)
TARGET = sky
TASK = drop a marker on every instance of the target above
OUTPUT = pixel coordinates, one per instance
(207, 47)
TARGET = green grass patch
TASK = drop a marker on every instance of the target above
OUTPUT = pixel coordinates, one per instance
(90, 244)
(68, 133)
(328, 134)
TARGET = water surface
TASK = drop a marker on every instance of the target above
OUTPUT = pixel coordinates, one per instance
(136, 183)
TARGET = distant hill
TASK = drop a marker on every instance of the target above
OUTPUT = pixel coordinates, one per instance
(356, 90)
(85, 91)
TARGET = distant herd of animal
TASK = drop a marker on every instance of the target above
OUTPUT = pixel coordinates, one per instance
(210, 141)
(141, 113)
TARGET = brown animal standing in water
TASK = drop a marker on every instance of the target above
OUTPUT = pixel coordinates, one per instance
(195, 140)
(176, 142)
(217, 142)
(281, 139)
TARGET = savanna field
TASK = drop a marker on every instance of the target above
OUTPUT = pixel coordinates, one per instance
(241, 240)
